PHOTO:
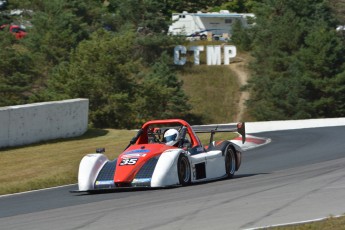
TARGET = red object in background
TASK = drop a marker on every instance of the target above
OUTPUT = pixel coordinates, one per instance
(16, 30)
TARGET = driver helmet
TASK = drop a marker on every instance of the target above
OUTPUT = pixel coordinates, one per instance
(171, 137)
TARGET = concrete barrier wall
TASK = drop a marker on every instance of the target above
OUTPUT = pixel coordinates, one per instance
(32, 123)
(266, 126)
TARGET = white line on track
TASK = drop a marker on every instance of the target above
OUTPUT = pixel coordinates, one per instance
(293, 223)
(37, 190)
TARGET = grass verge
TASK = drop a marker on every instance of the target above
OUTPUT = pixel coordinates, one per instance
(55, 163)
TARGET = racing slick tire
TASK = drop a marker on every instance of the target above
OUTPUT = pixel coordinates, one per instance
(230, 161)
(183, 170)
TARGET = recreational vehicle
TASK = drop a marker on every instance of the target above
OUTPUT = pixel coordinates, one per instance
(200, 24)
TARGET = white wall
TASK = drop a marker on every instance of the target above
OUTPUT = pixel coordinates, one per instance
(266, 126)
(31, 123)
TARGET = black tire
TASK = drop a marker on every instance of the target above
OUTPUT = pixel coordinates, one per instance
(203, 37)
(183, 170)
(230, 161)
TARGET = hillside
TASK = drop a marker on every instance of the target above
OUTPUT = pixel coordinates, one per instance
(117, 54)
(215, 91)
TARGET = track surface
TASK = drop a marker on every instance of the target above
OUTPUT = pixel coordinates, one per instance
(299, 176)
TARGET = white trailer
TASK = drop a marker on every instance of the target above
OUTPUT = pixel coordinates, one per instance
(218, 23)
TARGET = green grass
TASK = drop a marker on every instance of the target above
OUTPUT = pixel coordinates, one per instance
(55, 163)
(213, 92)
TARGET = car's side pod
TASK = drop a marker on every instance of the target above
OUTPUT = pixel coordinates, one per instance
(222, 147)
(165, 173)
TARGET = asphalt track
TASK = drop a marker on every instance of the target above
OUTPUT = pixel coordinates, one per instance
(299, 176)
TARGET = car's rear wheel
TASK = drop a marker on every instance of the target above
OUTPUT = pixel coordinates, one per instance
(230, 161)
(183, 170)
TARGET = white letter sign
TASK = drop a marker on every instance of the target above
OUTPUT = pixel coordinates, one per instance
(196, 50)
(213, 55)
(177, 51)
(229, 52)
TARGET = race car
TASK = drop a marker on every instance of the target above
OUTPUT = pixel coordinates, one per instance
(163, 153)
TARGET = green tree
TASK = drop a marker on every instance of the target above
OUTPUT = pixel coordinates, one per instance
(338, 6)
(15, 71)
(56, 31)
(239, 6)
(242, 36)
(106, 51)
(161, 95)
(171, 6)
(297, 54)
(102, 70)
(145, 16)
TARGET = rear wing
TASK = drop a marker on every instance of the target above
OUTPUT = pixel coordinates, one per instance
(239, 127)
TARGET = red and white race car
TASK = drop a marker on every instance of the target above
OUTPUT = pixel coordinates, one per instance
(164, 153)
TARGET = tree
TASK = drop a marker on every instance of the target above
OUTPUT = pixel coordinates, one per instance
(102, 70)
(297, 55)
(56, 31)
(338, 6)
(144, 15)
(15, 71)
(161, 95)
(171, 6)
(238, 6)
(101, 50)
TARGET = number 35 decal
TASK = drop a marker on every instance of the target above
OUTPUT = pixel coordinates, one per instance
(129, 161)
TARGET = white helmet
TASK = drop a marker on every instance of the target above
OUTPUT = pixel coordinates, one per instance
(171, 137)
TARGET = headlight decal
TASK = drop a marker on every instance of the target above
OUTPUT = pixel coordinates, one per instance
(105, 178)
(143, 177)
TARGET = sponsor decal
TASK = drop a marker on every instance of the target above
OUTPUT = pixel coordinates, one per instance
(138, 151)
(135, 153)
(104, 182)
(128, 161)
(141, 180)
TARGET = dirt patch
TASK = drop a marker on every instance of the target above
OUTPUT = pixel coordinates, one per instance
(239, 67)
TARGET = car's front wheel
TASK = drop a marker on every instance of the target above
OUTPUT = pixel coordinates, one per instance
(183, 170)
